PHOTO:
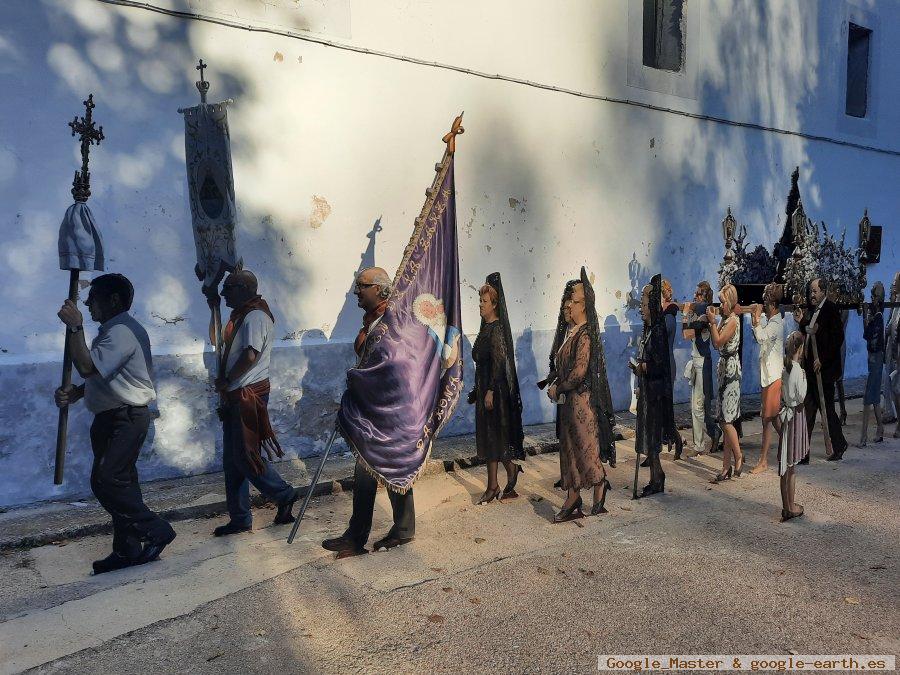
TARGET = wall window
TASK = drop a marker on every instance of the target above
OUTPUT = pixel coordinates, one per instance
(664, 34)
(858, 39)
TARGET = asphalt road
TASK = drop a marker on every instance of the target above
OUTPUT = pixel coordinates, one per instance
(498, 588)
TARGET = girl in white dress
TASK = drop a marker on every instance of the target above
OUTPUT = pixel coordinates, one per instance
(794, 444)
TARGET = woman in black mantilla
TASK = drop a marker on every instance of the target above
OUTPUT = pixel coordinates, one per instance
(581, 392)
(654, 407)
(498, 405)
(563, 324)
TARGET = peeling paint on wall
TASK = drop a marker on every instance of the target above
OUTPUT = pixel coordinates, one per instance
(321, 209)
(470, 222)
(166, 320)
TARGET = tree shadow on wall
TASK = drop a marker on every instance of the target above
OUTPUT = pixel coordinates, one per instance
(328, 358)
(529, 374)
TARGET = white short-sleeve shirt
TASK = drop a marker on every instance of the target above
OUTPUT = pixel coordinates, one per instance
(255, 331)
(770, 336)
(121, 355)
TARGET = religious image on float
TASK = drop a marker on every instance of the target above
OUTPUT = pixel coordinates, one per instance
(803, 253)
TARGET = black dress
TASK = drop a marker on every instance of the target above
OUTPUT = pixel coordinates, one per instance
(654, 407)
(494, 429)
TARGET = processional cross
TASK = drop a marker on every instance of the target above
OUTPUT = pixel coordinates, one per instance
(88, 135)
(202, 85)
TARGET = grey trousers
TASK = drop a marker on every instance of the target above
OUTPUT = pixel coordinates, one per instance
(703, 416)
(364, 489)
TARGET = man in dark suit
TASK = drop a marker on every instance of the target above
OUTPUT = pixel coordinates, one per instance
(825, 324)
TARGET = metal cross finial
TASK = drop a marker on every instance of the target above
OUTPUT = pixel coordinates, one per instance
(202, 85)
(88, 136)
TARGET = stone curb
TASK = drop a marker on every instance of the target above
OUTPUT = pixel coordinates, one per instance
(217, 508)
(435, 466)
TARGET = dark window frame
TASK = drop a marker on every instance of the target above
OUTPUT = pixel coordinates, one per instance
(664, 35)
(859, 59)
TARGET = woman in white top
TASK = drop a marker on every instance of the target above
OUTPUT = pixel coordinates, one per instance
(794, 444)
(770, 337)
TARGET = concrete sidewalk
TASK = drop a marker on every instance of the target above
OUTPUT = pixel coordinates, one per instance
(203, 496)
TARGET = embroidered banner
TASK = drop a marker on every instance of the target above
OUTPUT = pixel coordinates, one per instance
(207, 146)
(409, 377)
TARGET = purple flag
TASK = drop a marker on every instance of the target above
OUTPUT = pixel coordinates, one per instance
(409, 377)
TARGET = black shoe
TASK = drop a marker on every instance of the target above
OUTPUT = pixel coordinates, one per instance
(558, 484)
(350, 552)
(342, 543)
(152, 549)
(599, 507)
(510, 490)
(646, 462)
(390, 541)
(722, 476)
(112, 562)
(679, 447)
(835, 457)
(805, 460)
(487, 497)
(571, 513)
(654, 488)
(231, 528)
(284, 515)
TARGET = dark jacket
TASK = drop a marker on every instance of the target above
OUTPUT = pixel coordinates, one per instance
(829, 338)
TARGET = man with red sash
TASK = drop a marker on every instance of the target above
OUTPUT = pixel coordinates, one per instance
(244, 387)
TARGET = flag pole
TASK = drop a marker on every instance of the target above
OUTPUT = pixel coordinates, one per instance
(312, 486)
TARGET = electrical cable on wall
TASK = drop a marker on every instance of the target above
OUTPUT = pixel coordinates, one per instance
(493, 76)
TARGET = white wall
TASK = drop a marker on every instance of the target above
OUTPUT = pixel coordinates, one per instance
(546, 181)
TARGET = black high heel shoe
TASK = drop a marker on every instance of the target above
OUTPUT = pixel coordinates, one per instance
(679, 446)
(489, 496)
(571, 513)
(722, 476)
(739, 468)
(509, 492)
(599, 507)
(653, 488)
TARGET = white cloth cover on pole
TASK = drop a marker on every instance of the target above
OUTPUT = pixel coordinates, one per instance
(80, 243)
(210, 189)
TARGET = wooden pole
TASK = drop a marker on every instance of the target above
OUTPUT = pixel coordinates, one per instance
(823, 415)
(63, 424)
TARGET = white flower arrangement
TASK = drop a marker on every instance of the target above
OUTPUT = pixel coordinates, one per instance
(825, 256)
